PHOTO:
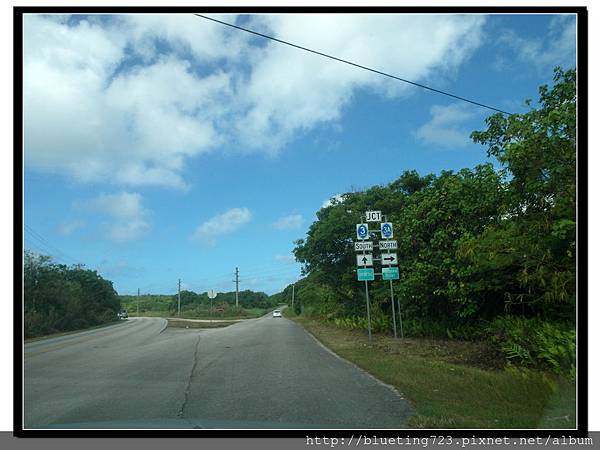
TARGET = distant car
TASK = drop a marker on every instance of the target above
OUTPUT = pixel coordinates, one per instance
(276, 313)
(123, 314)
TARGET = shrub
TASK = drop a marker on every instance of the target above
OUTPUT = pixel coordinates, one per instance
(536, 343)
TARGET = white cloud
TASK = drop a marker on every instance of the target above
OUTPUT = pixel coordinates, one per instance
(286, 259)
(291, 222)
(554, 49)
(291, 91)
(119, 269)
(134, 127)
(337, 198)
(446, 129)
(129, 217)
(69, 227)
(130, 99)
(227, 222)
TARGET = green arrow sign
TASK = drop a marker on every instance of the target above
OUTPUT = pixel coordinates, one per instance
(365, 274)
(390, 273)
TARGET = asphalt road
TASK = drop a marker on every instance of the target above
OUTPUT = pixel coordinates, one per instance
(260, 373)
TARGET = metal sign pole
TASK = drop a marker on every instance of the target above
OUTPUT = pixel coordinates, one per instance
(392, 295)
(363, 218)
(399, 313)
(394, 311)
(368, 308)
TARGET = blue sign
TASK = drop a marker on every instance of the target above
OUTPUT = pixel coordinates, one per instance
(387, 230)
(362, 231)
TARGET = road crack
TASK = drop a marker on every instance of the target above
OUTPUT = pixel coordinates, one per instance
(190, 378)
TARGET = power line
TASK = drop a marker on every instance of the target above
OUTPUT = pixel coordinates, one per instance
(252, 273)
(360, 66)
(46, 244)
(45, 250)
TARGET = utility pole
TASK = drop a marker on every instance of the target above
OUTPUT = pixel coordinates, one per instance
(237, 286)
(179, 297)
(293, 286)
(138, 302)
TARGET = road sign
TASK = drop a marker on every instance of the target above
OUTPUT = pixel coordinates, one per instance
(390, 273)
(387, 230)
(212, 294)
(365, 274)
(389, 258)
(388, 245)
(363, 245)
(373, 216)
(362, 231)
(364, 260)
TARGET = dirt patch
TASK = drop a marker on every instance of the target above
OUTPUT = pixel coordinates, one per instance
(476, 354)
(176, 323)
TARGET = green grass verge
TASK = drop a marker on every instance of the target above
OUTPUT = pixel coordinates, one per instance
(65, 333)
(164, 314)
(175, 323)
(250, 313)
(454, 384)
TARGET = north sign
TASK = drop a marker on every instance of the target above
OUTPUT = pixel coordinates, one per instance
(388, 245)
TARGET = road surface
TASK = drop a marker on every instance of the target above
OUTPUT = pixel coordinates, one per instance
(260, 373)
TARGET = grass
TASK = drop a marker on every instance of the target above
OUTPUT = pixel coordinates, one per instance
(454, 384)
(132, 313)
(188, 324)
(65, 333)
(250, 313)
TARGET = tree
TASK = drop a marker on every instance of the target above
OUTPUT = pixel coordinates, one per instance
(59, 298)
(532, 249)
(472, 245)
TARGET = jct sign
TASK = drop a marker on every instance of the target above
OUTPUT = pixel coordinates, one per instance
(373, 216)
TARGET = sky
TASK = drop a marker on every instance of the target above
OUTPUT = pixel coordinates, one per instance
(167, 147)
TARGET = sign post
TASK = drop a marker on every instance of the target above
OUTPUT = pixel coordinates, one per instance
(387, 258)
(387, 232)
(368, 308)
(364, 260)
(211, 294)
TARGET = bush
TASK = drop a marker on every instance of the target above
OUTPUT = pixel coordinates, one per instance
(351, 323)
(535, 343)
(379, 324)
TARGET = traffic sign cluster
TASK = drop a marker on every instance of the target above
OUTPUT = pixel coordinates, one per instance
(387, 258)
(364, 261)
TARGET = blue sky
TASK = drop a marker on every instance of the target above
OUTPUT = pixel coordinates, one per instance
(166, 147)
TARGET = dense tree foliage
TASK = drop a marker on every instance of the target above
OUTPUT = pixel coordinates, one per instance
(532, 250)
(60, 298)
(430, 215)
(191, 300)
(146, 302)
(246, 299)
(474, 245)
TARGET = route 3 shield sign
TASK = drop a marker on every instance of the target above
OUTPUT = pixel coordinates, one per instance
(362, 231)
